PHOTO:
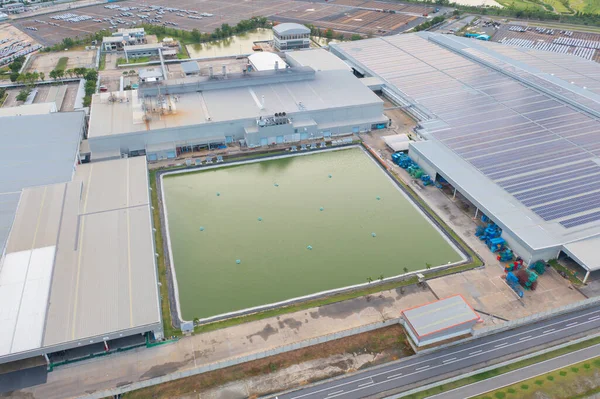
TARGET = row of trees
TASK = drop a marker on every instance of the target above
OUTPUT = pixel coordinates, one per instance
(330, 34)
(31, 77)
(428, 24)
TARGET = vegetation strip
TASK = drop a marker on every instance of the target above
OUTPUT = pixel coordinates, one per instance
(502, 370)
(561, 383)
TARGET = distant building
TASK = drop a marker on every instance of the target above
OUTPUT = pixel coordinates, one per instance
(290, 36)
(264, 61)
(150, 75)
(142, 50)
(122, 38)
(190, 68)
(13, 8)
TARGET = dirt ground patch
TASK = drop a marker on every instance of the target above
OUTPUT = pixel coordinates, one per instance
(383, 345)
(46, 62)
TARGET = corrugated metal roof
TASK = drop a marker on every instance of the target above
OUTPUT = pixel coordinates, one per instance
(35, 150)
(105, 276)
(327, 91)
(439, 315)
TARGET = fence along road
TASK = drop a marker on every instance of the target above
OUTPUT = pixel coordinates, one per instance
(454, 358)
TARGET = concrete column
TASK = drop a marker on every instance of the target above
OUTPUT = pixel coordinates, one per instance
(587, 274)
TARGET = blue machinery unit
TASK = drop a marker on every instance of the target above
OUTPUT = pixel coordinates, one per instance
(513, 282)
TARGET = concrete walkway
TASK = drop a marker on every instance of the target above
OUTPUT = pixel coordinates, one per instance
(521, 374)
(188, 353)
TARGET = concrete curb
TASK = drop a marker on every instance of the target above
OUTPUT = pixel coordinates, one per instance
(537, 375)
(493, 367)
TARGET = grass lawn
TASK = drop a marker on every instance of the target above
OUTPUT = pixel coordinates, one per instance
(576, 381)
(558, 6)
(102, 63)
(586, 6)
(503, 370)
(521, 4)
(62, 63)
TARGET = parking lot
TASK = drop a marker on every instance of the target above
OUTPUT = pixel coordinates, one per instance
(46, 62)
(14, 43)
(352, 16)
(582, 44)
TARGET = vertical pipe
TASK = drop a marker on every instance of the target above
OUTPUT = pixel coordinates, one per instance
(454, 195)
(476, 212)
(587, 274)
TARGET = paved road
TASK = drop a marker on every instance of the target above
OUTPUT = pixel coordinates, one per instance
(521, 374)
(437, 364)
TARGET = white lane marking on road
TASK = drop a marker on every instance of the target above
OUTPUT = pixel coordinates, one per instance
(416, 372)
(449, 360)
(366, 383)
(394, 376)
(335, 393)
(548, 331)
(572, 324)
(521, 339)
(422, 368)
(502, 344)
(594, 317)
(454, 353)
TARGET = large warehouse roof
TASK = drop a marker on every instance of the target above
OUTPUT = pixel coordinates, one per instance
(515, 129)
(318, 91)
(79, 262)
(35, 150)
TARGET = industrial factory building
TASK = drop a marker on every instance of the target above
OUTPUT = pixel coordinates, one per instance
(164, 119)
(77, 265)
(514, 130)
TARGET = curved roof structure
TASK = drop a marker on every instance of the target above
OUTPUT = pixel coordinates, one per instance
(290, 28)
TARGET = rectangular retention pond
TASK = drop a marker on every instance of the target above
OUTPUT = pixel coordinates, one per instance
(297, 225)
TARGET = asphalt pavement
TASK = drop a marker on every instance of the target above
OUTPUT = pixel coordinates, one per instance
(521, 374)
(376, 381)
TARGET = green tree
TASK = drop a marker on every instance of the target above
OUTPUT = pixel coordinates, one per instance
(60, 73)
(53, 74)
(329, 34)
(91, 74)
(42, 76)
(125, 73)
(427, 266)
(14, 76)
(369, 280)
(196, 36)
(355, 36)
(381, 277)
(405, 270)
(22, 96)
